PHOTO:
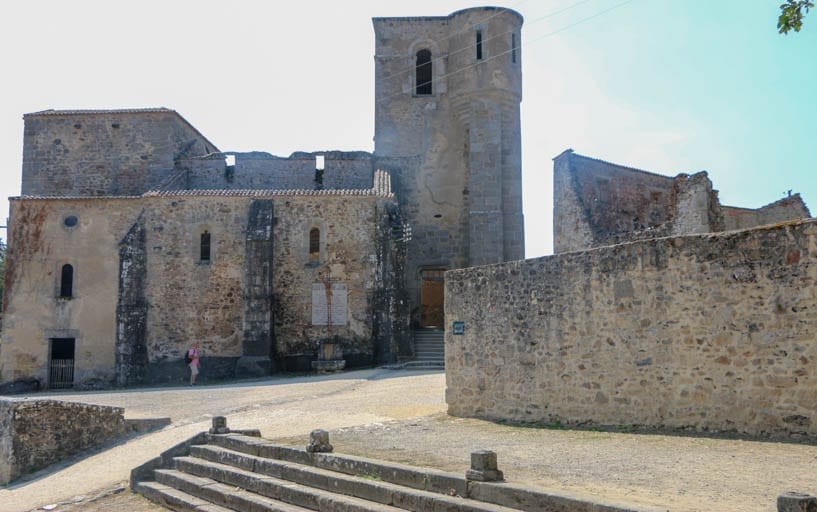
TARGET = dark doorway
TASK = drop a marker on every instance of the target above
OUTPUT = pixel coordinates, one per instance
(432, 303)
(61, 366)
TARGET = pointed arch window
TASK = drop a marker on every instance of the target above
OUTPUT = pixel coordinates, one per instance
(67, 281)
(204, 246)
(424, 73)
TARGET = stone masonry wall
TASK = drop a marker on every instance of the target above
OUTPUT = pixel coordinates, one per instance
(95, 153)
(598, 203)
(791, 207)
(262, 171)
(709, 332)
(37, 433)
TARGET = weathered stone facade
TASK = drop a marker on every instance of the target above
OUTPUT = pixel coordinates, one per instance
(711, 332)
(160, 296)
(105, 269)
(37, 433)
(598, 203)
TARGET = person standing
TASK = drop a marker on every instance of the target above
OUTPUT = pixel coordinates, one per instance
(194, 364)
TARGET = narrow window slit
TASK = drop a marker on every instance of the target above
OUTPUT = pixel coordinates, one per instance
(479, 44)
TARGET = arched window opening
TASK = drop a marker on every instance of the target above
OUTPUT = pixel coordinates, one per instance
(314, 244)
(424, 75)
(204, 246)
(67, 281)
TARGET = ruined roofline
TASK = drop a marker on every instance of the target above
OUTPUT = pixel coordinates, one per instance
(123, 111)
(334, 154)
(448, 17)
(794, 197)
(371, 192)
(572, 154)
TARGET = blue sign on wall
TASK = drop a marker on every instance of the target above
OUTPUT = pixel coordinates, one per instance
(458, 327)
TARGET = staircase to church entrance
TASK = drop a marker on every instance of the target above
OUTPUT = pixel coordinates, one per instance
(429, 350)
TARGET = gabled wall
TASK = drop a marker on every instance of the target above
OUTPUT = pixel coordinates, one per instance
(598, 203)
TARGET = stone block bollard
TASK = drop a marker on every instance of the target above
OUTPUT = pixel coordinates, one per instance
(319, 442)
(792, 501)
(484, 467)
(219, 425)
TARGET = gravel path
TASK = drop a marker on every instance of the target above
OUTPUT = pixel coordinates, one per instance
(400, 416)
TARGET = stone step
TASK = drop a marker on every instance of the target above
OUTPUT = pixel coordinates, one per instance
(174, 499)
(368, 487)
(215, 477)
(240, 471)
(423, 365)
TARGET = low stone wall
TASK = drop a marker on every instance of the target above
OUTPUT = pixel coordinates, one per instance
(37, 433)
(707, 332)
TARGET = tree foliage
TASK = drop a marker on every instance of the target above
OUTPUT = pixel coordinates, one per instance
(791, 15)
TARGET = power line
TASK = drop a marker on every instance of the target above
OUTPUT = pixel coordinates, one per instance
(470, 27)
(466, 29)
(526, 45)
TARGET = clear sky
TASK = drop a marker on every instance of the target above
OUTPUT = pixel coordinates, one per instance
(663, 85)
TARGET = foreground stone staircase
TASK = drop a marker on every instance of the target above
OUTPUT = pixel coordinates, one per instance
(239, 471)
(429, 350)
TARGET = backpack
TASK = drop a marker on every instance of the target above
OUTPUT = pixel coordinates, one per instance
(187, 359)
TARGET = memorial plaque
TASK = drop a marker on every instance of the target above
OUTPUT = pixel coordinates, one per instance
(329, 303)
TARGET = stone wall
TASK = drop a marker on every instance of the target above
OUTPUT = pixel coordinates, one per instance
(262, 171)
(107, 152)
(708, 332)
(598, 203)
(791, 207)
(37, 433)
(134, 316)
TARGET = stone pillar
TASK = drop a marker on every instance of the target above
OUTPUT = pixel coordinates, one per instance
(792, 501)
(319, 442)
(256, 360)
(219, 425)
(484, 467)
(131, 307)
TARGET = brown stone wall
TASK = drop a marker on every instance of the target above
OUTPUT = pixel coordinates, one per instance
(186, 299)
(709, 332)
(38, 433)
(94, 153)
(785, 209)
(599, 203)
(259, 170)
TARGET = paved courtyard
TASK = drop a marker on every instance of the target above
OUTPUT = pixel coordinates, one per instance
(401, 416)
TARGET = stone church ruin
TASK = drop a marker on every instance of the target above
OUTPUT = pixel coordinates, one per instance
(135, 235)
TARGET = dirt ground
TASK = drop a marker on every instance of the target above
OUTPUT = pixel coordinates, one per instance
(401, 418)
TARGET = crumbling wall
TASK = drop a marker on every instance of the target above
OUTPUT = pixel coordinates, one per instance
(38, 433)
(705, 332)
(262, 171)
(598, 203)
(97, 153)
(788, 208)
